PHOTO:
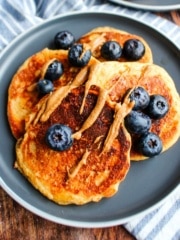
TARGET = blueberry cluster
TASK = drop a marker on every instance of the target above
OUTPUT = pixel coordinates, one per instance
(132, 50)
(58, 136)
(138, 121)
(77, 55)
(53, 72)
(146, 108)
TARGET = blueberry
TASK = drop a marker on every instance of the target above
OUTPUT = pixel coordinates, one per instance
(58, 137)
(54, 70)
(150, 145)
(158, 106)
(45, 86)
(137, 122)
(111, 50)
(64, 40)
(77, 56)
(141, 98)
(133, 49)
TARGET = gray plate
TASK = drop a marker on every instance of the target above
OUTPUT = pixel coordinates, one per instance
(154, 5)
(147, 184)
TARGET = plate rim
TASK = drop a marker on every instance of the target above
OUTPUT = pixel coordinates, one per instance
(121, 14)
(60, 220)
(79, 223)
(156, 8)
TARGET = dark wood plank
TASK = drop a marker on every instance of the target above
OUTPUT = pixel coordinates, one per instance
(173, 16)
(18, 223)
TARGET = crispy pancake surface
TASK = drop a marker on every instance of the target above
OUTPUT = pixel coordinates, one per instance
(115, 80)
(98, 36)
(86, 171)
(156, 81)
(94, 107)
(23, 95)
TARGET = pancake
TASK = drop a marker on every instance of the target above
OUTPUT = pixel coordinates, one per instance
(91, 168)
(95, 38)
(155, 80)
(94, 106)
(115, 80)
(22, 93)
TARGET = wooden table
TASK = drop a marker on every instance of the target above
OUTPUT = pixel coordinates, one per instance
(18, 223)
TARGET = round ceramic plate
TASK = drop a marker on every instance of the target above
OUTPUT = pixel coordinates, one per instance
(154, 5)
(147, 184)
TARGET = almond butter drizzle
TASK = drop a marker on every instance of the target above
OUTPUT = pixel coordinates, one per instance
(45, 67)
(32, 87)
(102, 99)
(93, 115)
(121, 110)
(88, 84)
(41, 75)
(74, 170)
(101, 177)
(98, 41)
(55, 98)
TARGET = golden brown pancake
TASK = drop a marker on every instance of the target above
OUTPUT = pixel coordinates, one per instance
(23, 95)
(115, 79)
(156, 81)
(98, 36)
(89, 170)
(94, 106)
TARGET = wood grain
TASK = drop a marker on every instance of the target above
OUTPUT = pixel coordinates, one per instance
(17, 223)
(176, 17)
(173, 16)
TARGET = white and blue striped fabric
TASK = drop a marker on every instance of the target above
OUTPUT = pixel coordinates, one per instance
(17, 16)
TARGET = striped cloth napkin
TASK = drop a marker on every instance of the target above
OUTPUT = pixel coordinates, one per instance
(17, 16)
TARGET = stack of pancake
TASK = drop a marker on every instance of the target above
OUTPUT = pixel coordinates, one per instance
(91, 101)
